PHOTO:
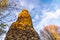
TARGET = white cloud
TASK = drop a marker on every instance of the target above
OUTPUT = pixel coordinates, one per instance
(49, 18)
(30, 6)
(22, 3)
(37, 16)
(2, 37)
(26, 5)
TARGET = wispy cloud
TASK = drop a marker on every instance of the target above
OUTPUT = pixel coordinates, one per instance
(51, 14)
(49, 18)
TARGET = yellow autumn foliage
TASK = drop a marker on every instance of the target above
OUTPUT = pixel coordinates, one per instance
(53, 29)
(24, 20)
(3, 3)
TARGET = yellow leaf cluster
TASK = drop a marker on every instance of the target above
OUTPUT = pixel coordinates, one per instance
(24, 20)
(54, 30)
(3, 3)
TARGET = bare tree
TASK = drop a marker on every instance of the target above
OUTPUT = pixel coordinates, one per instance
(3, 6)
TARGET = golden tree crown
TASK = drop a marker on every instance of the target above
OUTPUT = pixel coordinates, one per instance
(24, 20)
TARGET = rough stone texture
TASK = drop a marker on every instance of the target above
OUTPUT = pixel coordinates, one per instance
(22, 29)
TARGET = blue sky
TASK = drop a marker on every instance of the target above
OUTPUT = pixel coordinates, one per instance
(43, 12)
